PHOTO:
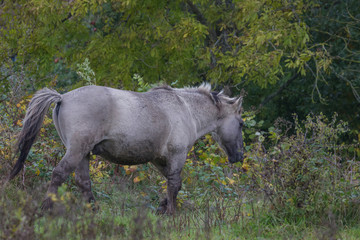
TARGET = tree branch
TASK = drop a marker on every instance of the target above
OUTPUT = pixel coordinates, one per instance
(197, 12)
(67, 18)
(202, 20)
(353, 89)
(282, 87)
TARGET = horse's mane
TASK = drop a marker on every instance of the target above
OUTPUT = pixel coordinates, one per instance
(163, 87)
(204, 88)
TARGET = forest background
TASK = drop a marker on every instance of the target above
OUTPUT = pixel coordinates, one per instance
(286, 56)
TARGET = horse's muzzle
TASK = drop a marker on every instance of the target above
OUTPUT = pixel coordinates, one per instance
(238, 157)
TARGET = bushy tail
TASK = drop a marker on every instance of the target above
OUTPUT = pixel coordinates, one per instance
(34, 118)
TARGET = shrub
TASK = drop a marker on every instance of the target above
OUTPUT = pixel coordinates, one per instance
(309, 174)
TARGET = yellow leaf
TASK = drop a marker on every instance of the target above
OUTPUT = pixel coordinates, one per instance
(37, 172)
(231, 181)
(223, 182)
(47, 121)
(185, 35)
(18, 105)
(245, 167)
(136, 180)
(19, 123)
(127, 169)
(53, 197)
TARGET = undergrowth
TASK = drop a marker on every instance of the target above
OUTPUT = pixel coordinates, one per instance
(299, 180)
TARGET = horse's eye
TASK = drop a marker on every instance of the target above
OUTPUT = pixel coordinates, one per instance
(241, 124)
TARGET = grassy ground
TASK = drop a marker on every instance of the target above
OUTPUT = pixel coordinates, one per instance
(127, 211)
(299, 186)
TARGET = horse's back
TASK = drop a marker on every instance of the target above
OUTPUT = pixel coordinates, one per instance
(97, 113)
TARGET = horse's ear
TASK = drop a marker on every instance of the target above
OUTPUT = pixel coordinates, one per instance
(238, 104)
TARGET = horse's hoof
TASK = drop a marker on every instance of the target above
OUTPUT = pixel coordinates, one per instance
(94, 206)
(170, 212)
(47, 204)
(161, 210)
(164, 211)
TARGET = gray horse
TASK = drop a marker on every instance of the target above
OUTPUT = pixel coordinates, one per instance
(159, 126)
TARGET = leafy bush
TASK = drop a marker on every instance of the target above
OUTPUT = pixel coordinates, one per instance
(47, 150)
(311, 173)
(306, 170)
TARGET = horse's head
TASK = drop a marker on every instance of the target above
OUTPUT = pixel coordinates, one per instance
(229, 131)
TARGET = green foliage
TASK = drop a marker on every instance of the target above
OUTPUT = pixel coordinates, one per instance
(332, 82)
(86, 73)
(311, 173)
(167, 41)
(300, 53)
(271, 33)
(45, 154)
(301, 177)
(256, 45)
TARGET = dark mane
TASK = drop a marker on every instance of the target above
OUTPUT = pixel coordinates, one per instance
(205, 89)
(215, 97)
(163, 87)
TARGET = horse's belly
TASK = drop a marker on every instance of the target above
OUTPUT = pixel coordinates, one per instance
(126, 153)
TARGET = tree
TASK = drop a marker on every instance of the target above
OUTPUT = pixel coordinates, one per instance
(184, 41)
(334, 31)
(276, 50)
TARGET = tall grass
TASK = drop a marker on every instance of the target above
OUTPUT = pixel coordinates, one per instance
(298, 181)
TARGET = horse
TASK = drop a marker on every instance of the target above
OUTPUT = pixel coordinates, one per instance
(159, 126)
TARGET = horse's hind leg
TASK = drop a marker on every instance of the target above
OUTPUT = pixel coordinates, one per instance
(68, 164)
(82, 179)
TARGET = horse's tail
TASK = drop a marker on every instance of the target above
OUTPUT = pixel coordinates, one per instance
(34, 118)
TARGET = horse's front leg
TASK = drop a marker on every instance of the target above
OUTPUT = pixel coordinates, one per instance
(171, 169)
(168, 204)
(173, 188)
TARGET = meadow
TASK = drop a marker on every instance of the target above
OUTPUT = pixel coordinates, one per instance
(299, 180)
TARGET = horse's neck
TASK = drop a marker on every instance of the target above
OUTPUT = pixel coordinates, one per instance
(204, 113)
